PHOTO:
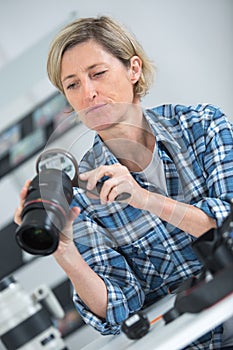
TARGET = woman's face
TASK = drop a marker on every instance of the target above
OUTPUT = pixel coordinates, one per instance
(97, 85)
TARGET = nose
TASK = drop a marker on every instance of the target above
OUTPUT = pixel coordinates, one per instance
(89, 90)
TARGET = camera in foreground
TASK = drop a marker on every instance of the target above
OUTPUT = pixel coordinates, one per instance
(45, 212)
(26, 320)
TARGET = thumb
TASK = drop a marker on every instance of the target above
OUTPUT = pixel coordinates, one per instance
(67, 231)
(74, 212)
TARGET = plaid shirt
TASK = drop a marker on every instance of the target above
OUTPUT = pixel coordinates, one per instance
(138, 255)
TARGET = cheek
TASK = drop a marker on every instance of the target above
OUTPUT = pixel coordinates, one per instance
(74, 101)
(123, 90)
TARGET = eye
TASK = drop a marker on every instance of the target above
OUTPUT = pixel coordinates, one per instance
(99, 73)
(72, 86)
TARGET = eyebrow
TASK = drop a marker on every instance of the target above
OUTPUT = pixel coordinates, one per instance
(68, 77)
(88, 68)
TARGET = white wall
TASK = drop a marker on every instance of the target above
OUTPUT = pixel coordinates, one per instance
(190, 42)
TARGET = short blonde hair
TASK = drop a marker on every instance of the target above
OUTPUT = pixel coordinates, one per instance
(111, 36)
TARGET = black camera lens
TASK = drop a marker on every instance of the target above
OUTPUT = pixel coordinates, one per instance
(45, 211)
(39, 239)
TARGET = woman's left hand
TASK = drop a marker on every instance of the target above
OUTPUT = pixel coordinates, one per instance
(119, 181)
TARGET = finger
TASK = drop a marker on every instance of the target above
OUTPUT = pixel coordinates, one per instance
(74, 212)
(67, 231)
(24, 190)
(121, 191)
(93, 176)
(109, 190)
(17, 216)
(22, 196)
(84, 176)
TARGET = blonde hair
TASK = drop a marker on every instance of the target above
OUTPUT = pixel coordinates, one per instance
(111, 36)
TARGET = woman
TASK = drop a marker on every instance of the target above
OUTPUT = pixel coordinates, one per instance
(175, 162)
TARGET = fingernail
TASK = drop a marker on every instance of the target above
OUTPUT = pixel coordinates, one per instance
(89, 186)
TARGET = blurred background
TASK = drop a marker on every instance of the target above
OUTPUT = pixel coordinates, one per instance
(191, 45)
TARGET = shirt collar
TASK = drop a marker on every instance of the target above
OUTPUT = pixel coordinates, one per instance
(159, 129)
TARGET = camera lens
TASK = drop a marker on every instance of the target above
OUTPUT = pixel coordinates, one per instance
(37, 238)
(45, 211)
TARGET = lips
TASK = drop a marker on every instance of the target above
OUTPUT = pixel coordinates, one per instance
(98, 117)
(95, 108)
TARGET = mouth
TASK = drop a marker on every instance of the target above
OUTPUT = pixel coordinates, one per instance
(95, 108)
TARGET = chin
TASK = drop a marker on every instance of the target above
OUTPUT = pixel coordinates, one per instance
(102, 127)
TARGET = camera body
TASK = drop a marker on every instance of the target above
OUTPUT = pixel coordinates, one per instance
(215, 247)
(45, 212)
(215, 250)
(25, 320)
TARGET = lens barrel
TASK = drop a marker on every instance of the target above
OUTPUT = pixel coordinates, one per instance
(45, 211)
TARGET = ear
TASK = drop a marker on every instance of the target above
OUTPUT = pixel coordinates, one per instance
(135, 69)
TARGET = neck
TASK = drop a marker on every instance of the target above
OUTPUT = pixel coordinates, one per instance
(131, 142)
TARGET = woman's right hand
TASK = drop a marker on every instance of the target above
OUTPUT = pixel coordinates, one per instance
(22, 196)
(66, 236)
(66, 243)
(67, 233)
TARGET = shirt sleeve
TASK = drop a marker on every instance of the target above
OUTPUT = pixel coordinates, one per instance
(216, 159)
(125, 294)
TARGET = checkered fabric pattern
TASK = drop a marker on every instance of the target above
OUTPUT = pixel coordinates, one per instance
(138, 255)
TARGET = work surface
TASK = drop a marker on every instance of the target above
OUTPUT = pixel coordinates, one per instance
(173, 336)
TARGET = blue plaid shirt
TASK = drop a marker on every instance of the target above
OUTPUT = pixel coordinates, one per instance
(138, 255)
